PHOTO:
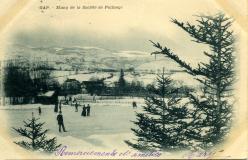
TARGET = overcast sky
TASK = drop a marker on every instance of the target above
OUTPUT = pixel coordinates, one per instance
(129, 28)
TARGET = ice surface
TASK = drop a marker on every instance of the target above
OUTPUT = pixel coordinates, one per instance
(107, 127)
(105, 130)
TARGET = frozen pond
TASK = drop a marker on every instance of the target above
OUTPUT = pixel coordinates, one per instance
(108, 124)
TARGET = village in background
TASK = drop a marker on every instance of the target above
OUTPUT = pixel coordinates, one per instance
(115, 86)
(84, 72)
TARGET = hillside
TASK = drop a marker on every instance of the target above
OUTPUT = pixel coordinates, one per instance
(156, 65)
(67, 58)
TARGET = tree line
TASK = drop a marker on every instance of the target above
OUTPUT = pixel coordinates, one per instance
(23, 78)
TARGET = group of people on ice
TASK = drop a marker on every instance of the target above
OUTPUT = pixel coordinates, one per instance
(85, 111)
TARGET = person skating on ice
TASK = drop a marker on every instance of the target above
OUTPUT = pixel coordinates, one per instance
(88, 110)
(61, 122)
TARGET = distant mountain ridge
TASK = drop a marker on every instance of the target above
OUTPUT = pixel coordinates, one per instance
(87, 57)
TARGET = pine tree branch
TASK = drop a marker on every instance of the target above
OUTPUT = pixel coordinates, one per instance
(23, 132)
(165, 51)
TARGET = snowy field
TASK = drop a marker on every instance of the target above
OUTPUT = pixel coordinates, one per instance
(103, 131)
(107, 127)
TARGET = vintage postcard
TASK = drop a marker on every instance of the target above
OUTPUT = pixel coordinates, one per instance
(123, 79)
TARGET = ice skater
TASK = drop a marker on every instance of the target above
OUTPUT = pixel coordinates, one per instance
(74, 100)
(134, 104)
(83, 111)
(88, 110)
(76, 107)
(39, 110)
(56, 107)
(61, 122)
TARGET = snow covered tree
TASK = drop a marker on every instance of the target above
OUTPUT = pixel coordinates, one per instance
(212, 115)
(121, 83)
(163, 123)
(36, 138)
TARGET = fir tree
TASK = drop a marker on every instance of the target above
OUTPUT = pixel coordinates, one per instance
(162, 124)
(212, 115)
(36, 138)
(121, 82)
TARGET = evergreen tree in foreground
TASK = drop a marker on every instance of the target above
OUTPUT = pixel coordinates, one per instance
(162, 124)
(213, 113)
(36, 138)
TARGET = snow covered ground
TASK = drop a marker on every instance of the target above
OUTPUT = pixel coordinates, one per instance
(104, 130)
(103, 120)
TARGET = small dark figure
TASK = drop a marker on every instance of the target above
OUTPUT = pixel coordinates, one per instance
(88, 110)
(76, 107)
(83, 111)
(61, 122)
(67, 102)
(56, 107)
(74, 100)
(39, 110)
(134, 104)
